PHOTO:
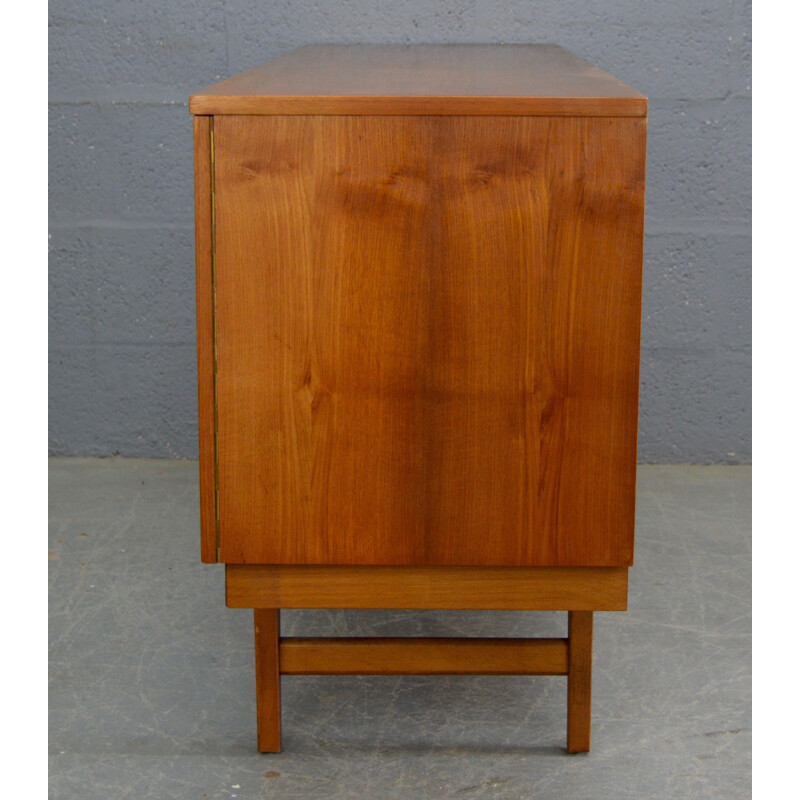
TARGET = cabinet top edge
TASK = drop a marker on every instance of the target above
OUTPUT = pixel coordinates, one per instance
(464, 79)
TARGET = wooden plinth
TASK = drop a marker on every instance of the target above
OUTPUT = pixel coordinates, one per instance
(571, 589)
(508, 588)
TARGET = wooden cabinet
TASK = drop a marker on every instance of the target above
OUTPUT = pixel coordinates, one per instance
(419, 293)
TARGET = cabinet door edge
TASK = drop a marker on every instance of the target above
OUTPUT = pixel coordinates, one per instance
(204, 263)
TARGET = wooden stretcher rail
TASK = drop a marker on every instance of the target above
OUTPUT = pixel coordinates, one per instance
(423, 656)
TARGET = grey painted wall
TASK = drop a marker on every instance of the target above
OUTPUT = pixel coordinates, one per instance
(122, 369)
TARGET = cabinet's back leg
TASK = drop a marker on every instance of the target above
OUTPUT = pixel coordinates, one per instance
(579, 682)
(268, 678)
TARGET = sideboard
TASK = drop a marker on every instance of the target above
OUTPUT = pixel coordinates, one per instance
(418, 308)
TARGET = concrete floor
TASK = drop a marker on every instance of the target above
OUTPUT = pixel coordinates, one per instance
(152, 687)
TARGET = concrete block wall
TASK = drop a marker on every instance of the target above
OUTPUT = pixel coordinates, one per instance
(122, 341)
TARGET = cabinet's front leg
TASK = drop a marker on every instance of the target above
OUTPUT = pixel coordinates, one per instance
(268, 678)
(579, 682)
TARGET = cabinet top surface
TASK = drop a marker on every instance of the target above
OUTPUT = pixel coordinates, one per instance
(469, 79)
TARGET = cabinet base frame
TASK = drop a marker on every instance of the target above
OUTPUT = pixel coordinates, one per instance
(425, 587)
(508, 588)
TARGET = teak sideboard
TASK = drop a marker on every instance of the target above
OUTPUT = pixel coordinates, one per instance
(418, 307)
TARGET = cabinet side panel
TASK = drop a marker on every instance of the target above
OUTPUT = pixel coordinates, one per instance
(428, 339)
(205, 335)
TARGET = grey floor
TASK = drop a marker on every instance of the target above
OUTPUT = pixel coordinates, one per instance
(152, 687)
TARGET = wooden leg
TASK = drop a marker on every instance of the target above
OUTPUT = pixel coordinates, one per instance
(268, 678)
(579, 682)
(268, 671)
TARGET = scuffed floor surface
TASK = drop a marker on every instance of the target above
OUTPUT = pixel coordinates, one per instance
(152, 686)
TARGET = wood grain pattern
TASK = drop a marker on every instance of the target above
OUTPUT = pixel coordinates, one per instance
(579, 683)
(267, 624)
(423, 79)
(521, 588)
(205, 337)
(428, 339)
(427, 656)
